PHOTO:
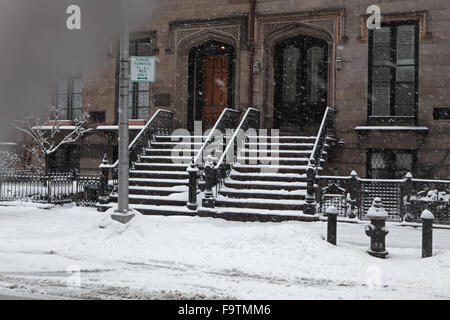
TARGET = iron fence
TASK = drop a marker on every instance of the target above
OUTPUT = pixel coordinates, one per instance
(403, 199)
(54, 187)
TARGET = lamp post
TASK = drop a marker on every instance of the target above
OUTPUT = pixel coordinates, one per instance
(123, 214)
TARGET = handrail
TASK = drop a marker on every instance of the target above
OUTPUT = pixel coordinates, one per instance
(221, 121)
(139, 135)
(320, 137)
(231, 142)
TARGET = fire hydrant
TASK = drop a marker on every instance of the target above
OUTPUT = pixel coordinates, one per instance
(376, 230)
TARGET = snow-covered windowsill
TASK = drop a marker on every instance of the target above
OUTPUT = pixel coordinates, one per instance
(116, 127)
(391, 128)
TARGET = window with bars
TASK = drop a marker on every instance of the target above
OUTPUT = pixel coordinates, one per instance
(390, 164)
(139, 96)
(69, 96)
(393, 73)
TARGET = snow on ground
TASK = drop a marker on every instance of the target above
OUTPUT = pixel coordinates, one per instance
(193, 258)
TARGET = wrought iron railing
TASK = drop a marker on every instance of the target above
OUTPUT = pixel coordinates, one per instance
(326, 132)
(228, 120)
(161, 123)
(251, 120)
(403, 199)
(55, 188)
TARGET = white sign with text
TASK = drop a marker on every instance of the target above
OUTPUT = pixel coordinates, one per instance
(143, 69)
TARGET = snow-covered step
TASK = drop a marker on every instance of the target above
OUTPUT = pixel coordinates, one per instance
(279, 146)
(166, 159)
(180, 138)
(184, 152)
(263, 194)
(259, 215)
(267, 185)
(159, 174)
(159, 191)
(164, 210)
(172, 144)
(283, 139)
(262, 176)
(269, 168)
(256, 203)
(273, 160)
(174, 199)
(161, 166)
(157, 182)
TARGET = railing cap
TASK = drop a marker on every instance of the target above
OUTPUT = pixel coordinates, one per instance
(427, 215)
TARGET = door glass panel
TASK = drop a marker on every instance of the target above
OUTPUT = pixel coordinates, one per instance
(382, 46)
(291, 59)
(405, 44)
(315, 77)
(381, 95)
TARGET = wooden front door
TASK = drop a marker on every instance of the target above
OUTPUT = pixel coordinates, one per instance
(215, 88)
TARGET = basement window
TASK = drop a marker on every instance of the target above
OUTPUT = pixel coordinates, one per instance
(390, 164)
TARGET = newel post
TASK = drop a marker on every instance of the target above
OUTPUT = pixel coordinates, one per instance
(210, 173)
(310, 200)
(193, 171)
(104, 192)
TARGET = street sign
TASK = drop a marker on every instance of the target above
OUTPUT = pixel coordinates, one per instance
(143, 69)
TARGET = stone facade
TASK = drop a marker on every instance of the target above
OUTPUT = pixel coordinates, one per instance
(182, 24)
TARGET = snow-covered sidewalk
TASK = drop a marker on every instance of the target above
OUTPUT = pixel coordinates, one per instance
(194, 258)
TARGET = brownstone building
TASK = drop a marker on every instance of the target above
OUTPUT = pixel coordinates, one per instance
(390, 87)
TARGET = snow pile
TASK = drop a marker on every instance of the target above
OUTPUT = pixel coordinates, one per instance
(286, 250)
(215, 257)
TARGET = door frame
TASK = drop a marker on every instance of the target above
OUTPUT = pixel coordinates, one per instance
(303, 43)
(284, 33)
(195, 78)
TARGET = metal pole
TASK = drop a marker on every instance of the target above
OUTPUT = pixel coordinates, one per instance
(123, 120)
(124, 215)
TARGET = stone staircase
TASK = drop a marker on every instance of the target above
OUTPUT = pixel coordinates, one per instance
(268, 183)
(158, 183)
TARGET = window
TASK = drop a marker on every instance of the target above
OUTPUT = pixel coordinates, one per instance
(67, 157)
(390, 164)
(393, 74)
(69, 96)
(139, 97)
(97, 116)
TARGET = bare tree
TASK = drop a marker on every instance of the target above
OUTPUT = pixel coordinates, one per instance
(47, 135)
(8, 159)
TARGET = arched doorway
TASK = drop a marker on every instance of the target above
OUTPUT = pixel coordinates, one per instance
(301, 82)
(210, 82)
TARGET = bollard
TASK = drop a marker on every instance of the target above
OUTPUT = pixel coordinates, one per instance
(192, 202)
(427, 233)
(331, 214)
(377, 230)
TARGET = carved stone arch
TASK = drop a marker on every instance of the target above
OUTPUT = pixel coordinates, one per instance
(281, 31)
(183, 47)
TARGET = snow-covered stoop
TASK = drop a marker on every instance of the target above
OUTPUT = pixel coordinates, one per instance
(159, 181)
(268, 183)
